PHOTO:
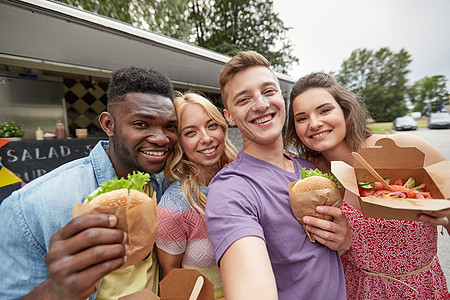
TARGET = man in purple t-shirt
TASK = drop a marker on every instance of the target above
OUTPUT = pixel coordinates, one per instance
(261, 248)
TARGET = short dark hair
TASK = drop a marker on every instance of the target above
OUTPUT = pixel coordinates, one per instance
(135, 79)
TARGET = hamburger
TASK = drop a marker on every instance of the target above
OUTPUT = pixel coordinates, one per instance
(314, 189)
(122, 192)
(133, 202)
(315, 180)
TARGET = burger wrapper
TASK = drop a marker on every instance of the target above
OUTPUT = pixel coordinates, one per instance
(304, 204)
(140, 223)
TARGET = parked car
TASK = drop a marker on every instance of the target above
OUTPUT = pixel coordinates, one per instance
(439, 120)
(405, 123)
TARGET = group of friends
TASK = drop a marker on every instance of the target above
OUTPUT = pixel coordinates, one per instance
(224, 213)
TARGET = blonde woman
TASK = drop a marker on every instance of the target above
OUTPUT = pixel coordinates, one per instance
(202, 150)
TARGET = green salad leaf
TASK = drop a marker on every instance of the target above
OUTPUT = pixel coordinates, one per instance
(316, 172)
(135, 181)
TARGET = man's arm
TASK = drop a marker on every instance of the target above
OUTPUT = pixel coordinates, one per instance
(246, 270)
(80, 255)
(335, 234)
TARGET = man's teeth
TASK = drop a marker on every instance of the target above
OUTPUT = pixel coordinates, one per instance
(208, 151)
(154, 153)
(262, 120)
(320, 134)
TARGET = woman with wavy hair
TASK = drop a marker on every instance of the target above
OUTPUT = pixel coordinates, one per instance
(388, 259)
(203, 149)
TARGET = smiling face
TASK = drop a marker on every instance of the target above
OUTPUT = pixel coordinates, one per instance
(319, 120)
(256, 106)
(202, 139)
(142, 131)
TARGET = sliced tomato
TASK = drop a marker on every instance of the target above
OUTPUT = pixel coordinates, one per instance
(424, 195)
(420, 187)
(412, 193)
(398, 182)
(366, 192)
(400, 188)
(378, 185)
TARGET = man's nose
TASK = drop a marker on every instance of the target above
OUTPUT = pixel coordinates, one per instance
(260, 104)
(158, 136)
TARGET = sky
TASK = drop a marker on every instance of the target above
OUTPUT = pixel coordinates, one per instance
(325, 32)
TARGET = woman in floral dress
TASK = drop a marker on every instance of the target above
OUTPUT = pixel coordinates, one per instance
(388, 259)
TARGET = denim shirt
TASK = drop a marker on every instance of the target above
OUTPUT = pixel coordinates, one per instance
(30, 216)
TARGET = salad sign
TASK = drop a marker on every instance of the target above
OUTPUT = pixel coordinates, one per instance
(30, 159)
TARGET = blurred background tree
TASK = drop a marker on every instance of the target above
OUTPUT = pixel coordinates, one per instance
(223, 26)
(250, 25)
(379, 77)
(430, 94)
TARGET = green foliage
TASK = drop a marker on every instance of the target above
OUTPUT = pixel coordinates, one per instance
(379, 77)
(429, 93)
(11, 129)
(135, 181)
(316, 172)
(167, 17)
(122, 10)
(223, 26)
(240, 25)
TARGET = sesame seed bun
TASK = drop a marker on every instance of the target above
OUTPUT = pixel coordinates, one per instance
(120, 198)
(313, 183)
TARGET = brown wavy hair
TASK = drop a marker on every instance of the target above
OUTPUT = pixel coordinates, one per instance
(178, 166)
(355, 113)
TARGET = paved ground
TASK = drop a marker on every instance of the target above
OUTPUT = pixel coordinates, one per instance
(441, 140)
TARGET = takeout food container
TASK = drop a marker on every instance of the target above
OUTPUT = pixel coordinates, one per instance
(177, 285)
(390, 160)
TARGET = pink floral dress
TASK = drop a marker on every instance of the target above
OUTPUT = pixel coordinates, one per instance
(393, 248)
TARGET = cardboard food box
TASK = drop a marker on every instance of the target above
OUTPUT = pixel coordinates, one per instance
(177, 285)
(389, 160)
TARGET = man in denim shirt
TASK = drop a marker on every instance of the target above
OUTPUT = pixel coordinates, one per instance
(45, 254)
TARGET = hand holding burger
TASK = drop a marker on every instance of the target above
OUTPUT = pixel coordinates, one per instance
(314, 189)
(134, 209)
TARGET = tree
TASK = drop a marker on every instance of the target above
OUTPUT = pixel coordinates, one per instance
(239, 25)
(429, 94)
(380, 79)
(121, 10)
(168, 17)
(223, 26)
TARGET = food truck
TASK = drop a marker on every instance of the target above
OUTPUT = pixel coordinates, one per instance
(56, 60)
(55, 65)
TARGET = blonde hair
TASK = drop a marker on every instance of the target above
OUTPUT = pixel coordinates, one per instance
(240, 62)
(178, 166)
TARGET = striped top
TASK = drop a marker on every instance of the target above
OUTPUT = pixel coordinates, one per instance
(182, 230)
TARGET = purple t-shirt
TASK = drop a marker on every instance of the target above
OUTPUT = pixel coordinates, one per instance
(250, 197)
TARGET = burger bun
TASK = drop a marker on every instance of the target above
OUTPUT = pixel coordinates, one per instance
(313, 183)
(120, 197)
